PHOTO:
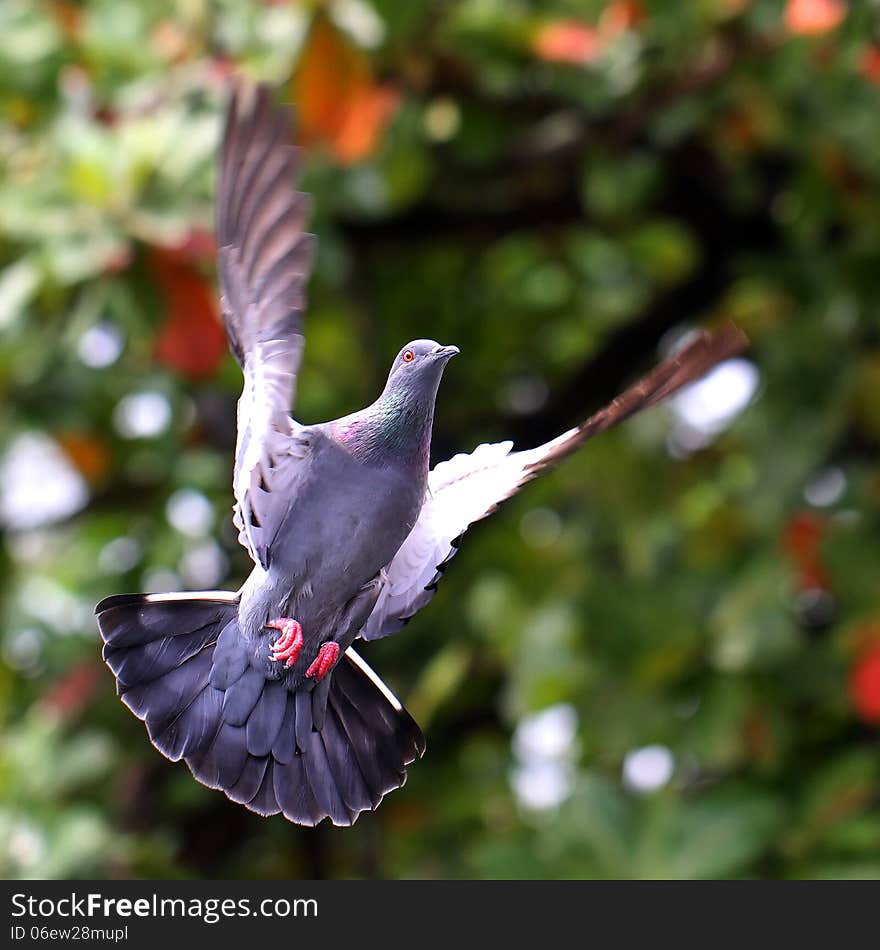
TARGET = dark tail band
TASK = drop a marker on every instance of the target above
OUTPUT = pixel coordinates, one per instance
(182, 666)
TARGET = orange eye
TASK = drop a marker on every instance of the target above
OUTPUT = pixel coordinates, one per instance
(409, 356)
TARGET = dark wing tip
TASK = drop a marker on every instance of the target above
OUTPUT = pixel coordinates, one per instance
(732, 337)
(709, 348)
(695, 359)
(706, 350)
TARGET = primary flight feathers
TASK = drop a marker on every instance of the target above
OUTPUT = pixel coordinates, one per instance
(348, 528)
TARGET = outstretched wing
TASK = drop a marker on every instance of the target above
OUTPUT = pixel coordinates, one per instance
(264, 257)
(467, 488)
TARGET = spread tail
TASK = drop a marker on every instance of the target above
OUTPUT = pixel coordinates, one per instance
(182, 666)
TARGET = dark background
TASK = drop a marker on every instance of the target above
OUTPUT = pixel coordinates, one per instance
(663, 660)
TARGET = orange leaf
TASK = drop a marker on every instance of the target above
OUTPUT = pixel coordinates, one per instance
(371, 111)
(87, 453)
(567, 41)
(69, 18)
(339, 102)
(869, 64)
(191, 340)
(812, 17)
(620, 16)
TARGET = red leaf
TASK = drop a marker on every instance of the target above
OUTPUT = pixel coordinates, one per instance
(864, 686)
(339, 102)
(191, 340)
(620, 16)
(197, 245)
(802, 539)
(869, 64)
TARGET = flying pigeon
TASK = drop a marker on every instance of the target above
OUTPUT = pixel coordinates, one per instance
(260, 691)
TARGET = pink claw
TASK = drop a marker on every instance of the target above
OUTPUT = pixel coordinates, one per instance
(324, 661)
(287, 647)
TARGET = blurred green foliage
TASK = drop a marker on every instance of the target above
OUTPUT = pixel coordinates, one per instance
(561, 189)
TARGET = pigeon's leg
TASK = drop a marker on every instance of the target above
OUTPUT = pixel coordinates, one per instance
(356, 612)
(324, 661)
(287, 647)
(358, 609)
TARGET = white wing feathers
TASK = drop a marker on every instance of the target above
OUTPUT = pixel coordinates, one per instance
(467, 488)
(461, 491)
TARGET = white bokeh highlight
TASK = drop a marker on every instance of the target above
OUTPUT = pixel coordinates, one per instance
(190, 512)
(142, 415)
(648, 769)
(708, 406)
(825, 488)
(120, 555)
(204, 566)
(38, 483)
(545, 748)
(101, 345)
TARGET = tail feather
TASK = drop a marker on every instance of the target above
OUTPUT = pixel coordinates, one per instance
(160, 702)
(183, 667)
(265, 802)
(144, 664)
(388, 720)
(193, 729)
(250, 780)
(350, 780)
(323, 782)
(294, 793)
(240, 699)
(264, 723)
(380, 765)
(284, 744)
(221, 763)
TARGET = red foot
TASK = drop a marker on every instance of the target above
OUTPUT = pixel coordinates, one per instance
(324, 661)
(289, 644)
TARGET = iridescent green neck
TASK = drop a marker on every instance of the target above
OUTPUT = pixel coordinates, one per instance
(397, 427)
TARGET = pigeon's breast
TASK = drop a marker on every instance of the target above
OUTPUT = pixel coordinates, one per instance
(344, 525)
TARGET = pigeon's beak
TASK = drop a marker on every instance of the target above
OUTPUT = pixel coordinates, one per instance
(445, 352)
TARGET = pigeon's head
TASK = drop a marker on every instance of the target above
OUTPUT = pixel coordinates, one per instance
(419, 366)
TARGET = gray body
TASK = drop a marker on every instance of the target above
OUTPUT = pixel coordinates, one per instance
(343, 516)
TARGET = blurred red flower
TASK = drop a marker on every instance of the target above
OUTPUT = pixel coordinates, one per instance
(864, 685)
(578, 43)
(567, 41)
(811, 17)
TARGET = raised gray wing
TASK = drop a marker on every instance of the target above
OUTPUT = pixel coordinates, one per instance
(467, 488)
(264, 258)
